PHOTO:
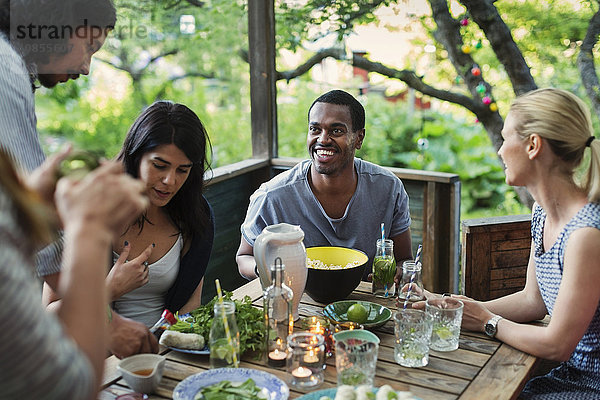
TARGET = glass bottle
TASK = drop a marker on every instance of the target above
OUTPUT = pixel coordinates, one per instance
(224, 337)
(279, 322)
(384, 269)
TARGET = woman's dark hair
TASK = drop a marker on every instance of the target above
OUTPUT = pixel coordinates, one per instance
(164, 123)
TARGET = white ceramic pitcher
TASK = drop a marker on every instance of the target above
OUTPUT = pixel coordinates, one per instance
(285, 241)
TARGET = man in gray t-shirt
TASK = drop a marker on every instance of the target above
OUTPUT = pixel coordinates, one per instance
(337, 199)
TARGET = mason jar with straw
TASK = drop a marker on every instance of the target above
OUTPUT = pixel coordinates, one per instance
(224, 337)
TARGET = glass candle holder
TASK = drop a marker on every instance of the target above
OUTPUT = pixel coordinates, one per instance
(306, 359)
(321, 326)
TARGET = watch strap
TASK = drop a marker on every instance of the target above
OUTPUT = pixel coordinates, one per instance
(491, 327)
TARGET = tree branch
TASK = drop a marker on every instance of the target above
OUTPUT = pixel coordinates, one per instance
(485, 14)
(585, 62)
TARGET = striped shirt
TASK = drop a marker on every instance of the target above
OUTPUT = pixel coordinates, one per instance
(37, 360)
(18, 134)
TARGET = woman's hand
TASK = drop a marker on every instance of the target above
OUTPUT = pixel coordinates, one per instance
(126, 276)
(105, 200)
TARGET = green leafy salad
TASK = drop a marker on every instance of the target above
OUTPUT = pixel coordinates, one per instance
(249, 320)
(225, 390)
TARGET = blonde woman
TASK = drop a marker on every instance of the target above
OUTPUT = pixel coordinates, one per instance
(548, 142)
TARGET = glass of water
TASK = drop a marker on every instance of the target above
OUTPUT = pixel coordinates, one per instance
(413, 332)
(446, 317)
(356, 357)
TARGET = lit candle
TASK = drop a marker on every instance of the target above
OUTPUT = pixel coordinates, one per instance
(301, 372)
(311, 357)
(277, 358)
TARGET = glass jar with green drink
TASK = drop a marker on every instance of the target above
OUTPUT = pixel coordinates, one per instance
(224, 337)
(384, 269)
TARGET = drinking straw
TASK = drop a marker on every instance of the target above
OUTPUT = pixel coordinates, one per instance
(412, 276)
(225, 324)
(382, 239)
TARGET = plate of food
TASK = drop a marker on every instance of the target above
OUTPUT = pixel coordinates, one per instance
(370, 315)
(190, 343)
(346, 392)
(241, 383)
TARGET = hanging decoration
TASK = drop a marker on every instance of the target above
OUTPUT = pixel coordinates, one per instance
(464, 21)
(476, 71)
(487, 100)
(481, 88)
(493, 107)
(466, 49)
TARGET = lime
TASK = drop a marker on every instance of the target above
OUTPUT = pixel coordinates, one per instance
(358, 313)
(443, 332)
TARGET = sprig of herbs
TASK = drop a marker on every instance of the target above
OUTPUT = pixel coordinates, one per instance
(249, 320)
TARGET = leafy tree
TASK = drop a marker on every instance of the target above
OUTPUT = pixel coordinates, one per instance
(458, 39)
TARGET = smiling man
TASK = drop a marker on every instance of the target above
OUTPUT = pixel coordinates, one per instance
(337, 199)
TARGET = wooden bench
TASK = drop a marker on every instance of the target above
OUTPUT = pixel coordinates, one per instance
(495, 253)
(434, 207)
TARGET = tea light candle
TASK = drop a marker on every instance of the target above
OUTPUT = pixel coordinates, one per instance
(301, 372)
(306, 359)
(277, 358)
(312, 357)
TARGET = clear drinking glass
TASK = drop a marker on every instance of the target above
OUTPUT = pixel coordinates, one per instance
(356, 357)
(446, 317)
(223, 351)
(384, 269)
(411, 283)
(413, 332)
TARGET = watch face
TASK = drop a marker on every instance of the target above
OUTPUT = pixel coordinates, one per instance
(490, 329)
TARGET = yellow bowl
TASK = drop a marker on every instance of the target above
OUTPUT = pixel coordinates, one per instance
(328, 285)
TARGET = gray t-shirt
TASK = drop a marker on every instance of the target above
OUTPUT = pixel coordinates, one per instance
(379, 197)
(18, 134)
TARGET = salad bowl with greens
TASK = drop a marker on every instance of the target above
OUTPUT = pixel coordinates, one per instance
(231, 384)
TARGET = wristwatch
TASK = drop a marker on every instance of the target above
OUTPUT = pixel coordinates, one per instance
(491, 326)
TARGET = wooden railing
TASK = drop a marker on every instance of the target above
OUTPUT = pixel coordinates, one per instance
(495, 252)
(434, 207)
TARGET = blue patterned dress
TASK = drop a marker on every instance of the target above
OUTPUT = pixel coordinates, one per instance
(579, 377)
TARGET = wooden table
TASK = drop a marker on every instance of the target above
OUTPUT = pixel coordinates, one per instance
(481, 368)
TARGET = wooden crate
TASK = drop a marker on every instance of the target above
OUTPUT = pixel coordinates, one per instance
(495, 253)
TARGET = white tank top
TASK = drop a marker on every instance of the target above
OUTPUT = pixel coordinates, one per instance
(146, 303)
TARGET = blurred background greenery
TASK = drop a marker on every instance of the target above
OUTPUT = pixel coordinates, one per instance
(149, 56)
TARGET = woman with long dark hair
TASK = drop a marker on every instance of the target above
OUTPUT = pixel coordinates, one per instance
(160, 259)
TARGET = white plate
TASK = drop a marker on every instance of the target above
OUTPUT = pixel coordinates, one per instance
(275, 388)
(204, 351)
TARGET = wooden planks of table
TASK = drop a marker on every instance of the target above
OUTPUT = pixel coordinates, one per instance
(481, 368)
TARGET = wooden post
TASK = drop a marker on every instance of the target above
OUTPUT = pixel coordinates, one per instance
(263, 93)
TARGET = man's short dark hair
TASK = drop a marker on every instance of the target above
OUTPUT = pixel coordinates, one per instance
(40, 28)
(357, 111)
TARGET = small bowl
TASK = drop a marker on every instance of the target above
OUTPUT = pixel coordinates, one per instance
(329, 285)
(377, 316)
(152, 365)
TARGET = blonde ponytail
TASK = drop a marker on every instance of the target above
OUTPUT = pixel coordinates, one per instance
(591, 181)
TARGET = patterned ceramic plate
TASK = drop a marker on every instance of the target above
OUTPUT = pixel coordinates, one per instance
(205, 350)
(378, 314)
(273, 387)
